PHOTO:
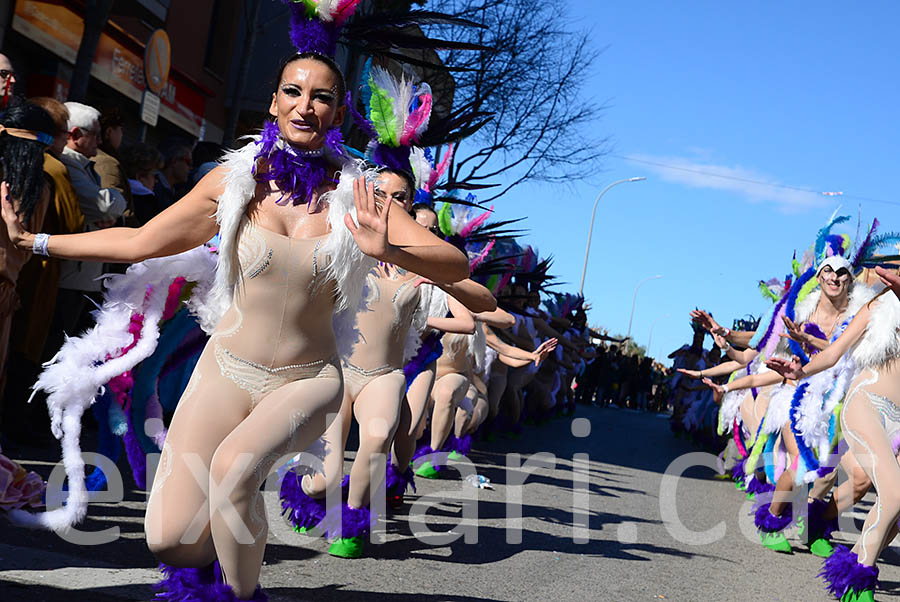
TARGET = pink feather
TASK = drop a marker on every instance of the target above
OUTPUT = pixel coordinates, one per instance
(476, 223)
(344, 11)
(438, 171)
(479, 259)
(416, 119)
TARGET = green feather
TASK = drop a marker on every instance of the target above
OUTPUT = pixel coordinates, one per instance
(795, 265)
(445, 215)
(381, 114)
(807, 289)
(768, 294)
(310, 7)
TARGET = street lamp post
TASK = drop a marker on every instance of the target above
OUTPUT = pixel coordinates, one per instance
(587, 248)
(650, 338)
(634, 299)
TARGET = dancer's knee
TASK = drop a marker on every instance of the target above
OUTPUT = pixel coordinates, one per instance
(861, 482)
(172, 551)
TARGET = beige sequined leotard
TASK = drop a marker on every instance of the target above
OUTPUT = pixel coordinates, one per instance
(278, 329)
(383, 327)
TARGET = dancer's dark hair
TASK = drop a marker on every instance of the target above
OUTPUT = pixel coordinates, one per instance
(21, 159)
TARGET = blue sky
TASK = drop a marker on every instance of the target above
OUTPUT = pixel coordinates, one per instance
(804, 95)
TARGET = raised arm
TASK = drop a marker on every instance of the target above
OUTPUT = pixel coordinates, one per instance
(536, 356)
(720, 370)
(747, 382)
(497, 318)
(394, 237)
(475, 297)
(184, 225)
(461, 322)
(830, 356)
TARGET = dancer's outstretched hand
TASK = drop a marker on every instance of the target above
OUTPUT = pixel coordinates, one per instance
(691, 373)
(793, 331)
(717, 389)
(543, 350)
(890, 279)
(372, 232)
(14, 228)
(706, 321)
(791, 369)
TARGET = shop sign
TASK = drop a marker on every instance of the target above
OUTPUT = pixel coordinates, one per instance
(59, 29)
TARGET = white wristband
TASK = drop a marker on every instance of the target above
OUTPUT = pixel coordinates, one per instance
(39, 245)
(725, 387)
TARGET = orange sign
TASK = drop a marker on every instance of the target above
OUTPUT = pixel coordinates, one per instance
(157, 60)
(59, 29)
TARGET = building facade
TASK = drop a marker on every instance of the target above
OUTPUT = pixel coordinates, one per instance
(42, 37)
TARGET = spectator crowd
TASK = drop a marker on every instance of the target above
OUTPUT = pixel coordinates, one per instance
(97, 176)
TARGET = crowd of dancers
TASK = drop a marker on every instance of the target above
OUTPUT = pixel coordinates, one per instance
(299, 287)
(813, 386)
(303, 286)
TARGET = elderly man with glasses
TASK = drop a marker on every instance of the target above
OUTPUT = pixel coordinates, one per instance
(101, 208)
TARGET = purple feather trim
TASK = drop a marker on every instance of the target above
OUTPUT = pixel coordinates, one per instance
(737, 471)
(136, 457)
(754, 485)
(864, 249)
(769, 523)
(438, 459)
(312, 35)
(396, 483)
(392, 157)
(430, 349)
(461, 445)
(818, 525)
(346, 521)
(360, 120)
(824, 470)
(300, 509)
(842, 571)
(296, 175)
(199, 585)
(814, 330)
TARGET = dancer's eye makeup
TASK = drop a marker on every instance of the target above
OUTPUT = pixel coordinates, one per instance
(324, 96)
(290, 90)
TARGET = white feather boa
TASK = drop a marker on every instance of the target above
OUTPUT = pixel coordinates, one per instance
(778, 412)
(730, 410)
(432, 304)
(78, 372)
(880, 341)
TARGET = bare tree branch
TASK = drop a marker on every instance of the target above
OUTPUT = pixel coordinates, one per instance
(532, 79)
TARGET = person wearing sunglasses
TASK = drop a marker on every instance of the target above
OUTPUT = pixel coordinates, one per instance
(7, 80)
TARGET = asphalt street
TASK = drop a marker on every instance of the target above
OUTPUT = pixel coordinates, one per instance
(580, 510)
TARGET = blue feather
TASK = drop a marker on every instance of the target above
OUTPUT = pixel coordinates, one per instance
(809, 458)
(825, 231)
(366, 89)
(796, 349)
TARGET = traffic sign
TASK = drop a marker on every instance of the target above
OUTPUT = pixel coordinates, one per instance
(157, 61)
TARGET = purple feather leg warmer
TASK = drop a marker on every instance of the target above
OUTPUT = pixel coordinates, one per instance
(199, 585)
(842, 572)
(300, 509)
(769, 523)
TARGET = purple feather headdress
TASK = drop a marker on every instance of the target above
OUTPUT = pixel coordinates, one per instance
(316, 26)
(297, 174)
